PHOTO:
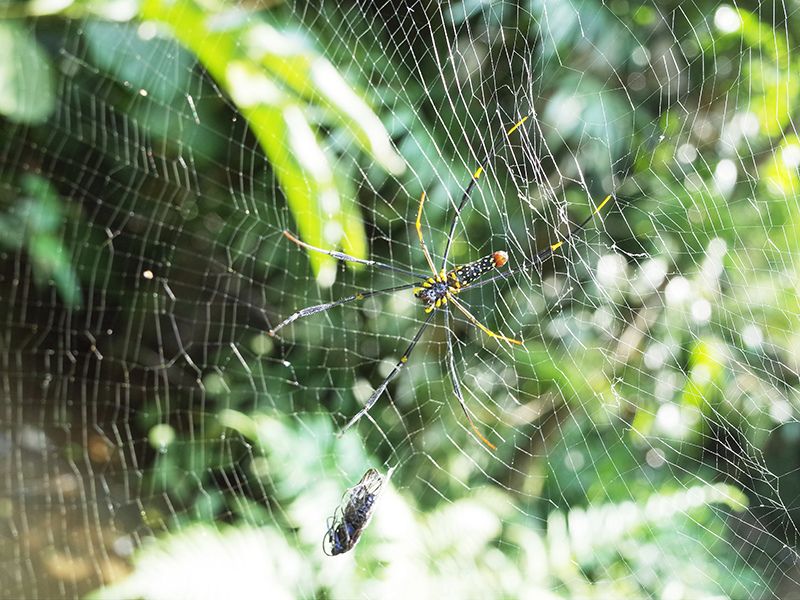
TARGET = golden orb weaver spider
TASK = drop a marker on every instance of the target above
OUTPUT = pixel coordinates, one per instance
(435, 292)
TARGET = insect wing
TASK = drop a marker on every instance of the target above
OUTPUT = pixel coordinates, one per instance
(351, 518)
(371, 483)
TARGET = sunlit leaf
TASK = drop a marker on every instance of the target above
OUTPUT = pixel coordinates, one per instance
(274, 80)
(26, 79)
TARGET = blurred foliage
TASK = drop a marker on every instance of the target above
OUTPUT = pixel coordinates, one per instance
(573, 552)
(32, 223)
(26, 79)
(651, 410)
(277, 83)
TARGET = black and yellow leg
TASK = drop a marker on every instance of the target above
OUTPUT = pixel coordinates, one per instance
(320, 307)
(489, 332)
(544, 254)
(382, 387)
(348, 258)
(464, 198)
(457, 386)
(421, 239)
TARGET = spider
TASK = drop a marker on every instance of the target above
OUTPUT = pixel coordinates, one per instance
(436, 292)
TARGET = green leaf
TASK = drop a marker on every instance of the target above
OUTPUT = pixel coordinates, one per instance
(34, 224)
(276, 82)
(26, 77)
(122, 51)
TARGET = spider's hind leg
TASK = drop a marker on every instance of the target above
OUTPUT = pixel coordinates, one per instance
(457, 385)
(382, 387)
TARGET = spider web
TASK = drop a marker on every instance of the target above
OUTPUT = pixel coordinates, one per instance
(156, 441)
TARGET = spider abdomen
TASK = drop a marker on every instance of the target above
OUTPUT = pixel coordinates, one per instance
(466, 274)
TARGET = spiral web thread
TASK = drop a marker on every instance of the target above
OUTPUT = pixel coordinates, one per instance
(646, 429)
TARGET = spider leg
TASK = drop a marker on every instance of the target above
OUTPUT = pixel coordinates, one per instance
(489, 332)
(510, 131)
(543, 255)
(579, 228)
(461, 205)
(382, 387)
(348, 258)
(464, 199)
(421, 240)
(456, 384)
(320, 307)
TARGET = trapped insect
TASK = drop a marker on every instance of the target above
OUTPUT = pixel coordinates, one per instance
(352, 516)
(436, 292)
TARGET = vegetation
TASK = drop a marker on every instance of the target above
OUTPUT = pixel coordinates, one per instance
(153, 155)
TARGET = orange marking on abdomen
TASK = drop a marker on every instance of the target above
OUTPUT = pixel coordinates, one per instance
(500, 258)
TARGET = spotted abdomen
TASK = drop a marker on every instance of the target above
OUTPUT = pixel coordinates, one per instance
(466, 274)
